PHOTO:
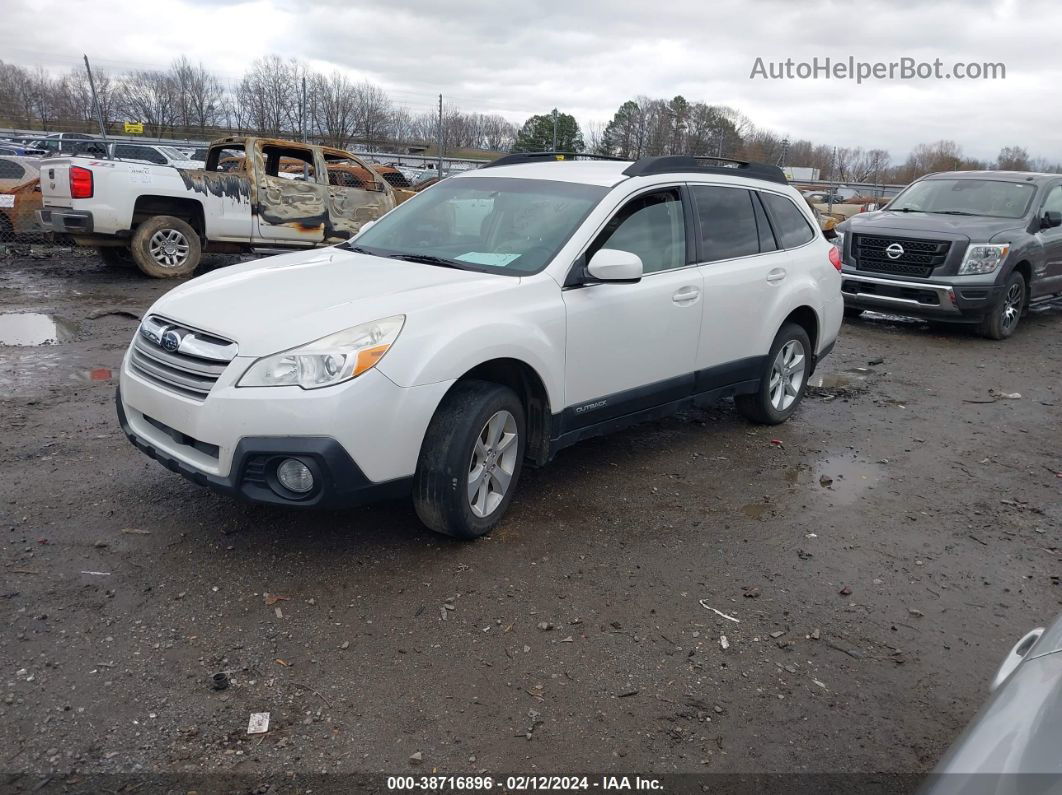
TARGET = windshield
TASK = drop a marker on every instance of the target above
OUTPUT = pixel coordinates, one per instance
(495, 224)
(984, 197)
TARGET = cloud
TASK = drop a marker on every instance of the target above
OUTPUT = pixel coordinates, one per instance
(587, 57)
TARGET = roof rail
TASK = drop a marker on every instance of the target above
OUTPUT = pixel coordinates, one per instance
(539, 157)
(667, 164)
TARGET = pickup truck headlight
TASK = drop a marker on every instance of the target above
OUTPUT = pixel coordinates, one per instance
(982, 258)
(329, 360)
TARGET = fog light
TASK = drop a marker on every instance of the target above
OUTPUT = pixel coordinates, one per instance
(295, 475)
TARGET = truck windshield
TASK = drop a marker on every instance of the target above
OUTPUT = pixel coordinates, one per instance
(496, 224)
(985, 197)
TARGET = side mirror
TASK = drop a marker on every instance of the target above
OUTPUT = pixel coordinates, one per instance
(1052, 218)
(613, 265)
(872, 207)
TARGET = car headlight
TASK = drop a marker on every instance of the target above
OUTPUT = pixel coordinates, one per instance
(982, 258)
(329, 360)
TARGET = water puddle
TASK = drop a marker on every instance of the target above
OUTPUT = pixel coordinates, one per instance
(841, 479)
(756, 510)
(854, 378)
(34, 328)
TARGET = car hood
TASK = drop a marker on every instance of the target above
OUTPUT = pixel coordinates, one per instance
(975, 227)
(277, 303)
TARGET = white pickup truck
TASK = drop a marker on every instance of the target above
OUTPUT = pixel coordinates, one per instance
(275, 194)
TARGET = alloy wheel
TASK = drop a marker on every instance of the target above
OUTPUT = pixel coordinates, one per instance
(493, 463)
(169, 248)
(787, 375)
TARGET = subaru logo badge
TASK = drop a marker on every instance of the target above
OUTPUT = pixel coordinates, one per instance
(171, 341)
(895, 251)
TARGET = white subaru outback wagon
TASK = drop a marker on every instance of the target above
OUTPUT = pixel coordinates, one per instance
(496, 318)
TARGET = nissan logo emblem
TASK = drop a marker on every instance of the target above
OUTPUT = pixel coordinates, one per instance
(895, 251)
(171, 341)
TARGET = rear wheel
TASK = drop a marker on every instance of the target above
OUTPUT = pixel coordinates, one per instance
(116, 256)
(783, 380)
(1003, 318)
(470, 460)
(166, 247)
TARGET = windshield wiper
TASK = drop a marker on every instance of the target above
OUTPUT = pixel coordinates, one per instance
(903, 210)
(356, 249)
(951, 212)
(428, 259)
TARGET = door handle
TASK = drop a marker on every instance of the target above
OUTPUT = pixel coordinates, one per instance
(686, 295)
(776, 276)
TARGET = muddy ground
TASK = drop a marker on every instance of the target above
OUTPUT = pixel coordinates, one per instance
(880, 552)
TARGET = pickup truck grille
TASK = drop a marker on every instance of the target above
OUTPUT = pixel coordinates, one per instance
(907, 258)
(179, 359)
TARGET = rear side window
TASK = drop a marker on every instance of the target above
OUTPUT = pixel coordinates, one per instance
(790, 225)
(9, 169)
(727, 221)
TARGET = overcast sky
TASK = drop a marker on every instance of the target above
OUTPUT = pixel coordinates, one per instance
(587, 56)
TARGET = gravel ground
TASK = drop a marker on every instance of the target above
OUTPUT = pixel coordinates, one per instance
(874, 558)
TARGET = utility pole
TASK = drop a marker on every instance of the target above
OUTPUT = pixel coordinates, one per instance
(554, 130)
(440, 141)
(303, 112)
(95, 100)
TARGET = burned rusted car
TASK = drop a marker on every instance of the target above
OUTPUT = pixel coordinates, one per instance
(253, 192)
(20, 197)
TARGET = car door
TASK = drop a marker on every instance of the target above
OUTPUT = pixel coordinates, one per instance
(355, 195)
(631, 346)
(1051, 238)
(741, 263)
(292, 207)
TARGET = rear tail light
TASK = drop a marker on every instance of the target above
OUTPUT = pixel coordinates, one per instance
(80, 183)
(835, 257)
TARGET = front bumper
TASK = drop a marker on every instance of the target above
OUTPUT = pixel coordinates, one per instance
(951, 300)
(338, 481)
(362, 437)
(66, 221)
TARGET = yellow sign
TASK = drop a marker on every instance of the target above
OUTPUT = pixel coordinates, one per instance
(134, 127)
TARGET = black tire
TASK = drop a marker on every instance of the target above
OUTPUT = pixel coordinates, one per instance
(759, 407)
(441, 483)
(1002, 320)
(853, 311)
(116, 256)
(185, 261)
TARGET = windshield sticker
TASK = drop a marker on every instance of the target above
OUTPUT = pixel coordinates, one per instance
(486, 258)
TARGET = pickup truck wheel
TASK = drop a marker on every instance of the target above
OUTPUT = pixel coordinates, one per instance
(1003, 318)
(166, 247)
(470, 460)
(783, 380)
(116, 256)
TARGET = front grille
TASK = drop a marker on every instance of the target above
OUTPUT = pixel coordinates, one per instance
(190, 366)
(919, 257)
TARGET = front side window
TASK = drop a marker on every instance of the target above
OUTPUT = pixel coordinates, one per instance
(992, 198)
(651, 226)
(493, 224)
(791, 226)
(727, 221)
(1053, 202)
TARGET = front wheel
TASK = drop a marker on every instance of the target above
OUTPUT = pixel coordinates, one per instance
(166, 247)
(1002, 320)
(783, 380)
(470, 460)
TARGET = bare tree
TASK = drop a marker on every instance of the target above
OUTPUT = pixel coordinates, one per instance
(150, 97)
(1013, 158)
(198, 93)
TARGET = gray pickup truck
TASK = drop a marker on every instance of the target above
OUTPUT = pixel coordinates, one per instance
(965, 246)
